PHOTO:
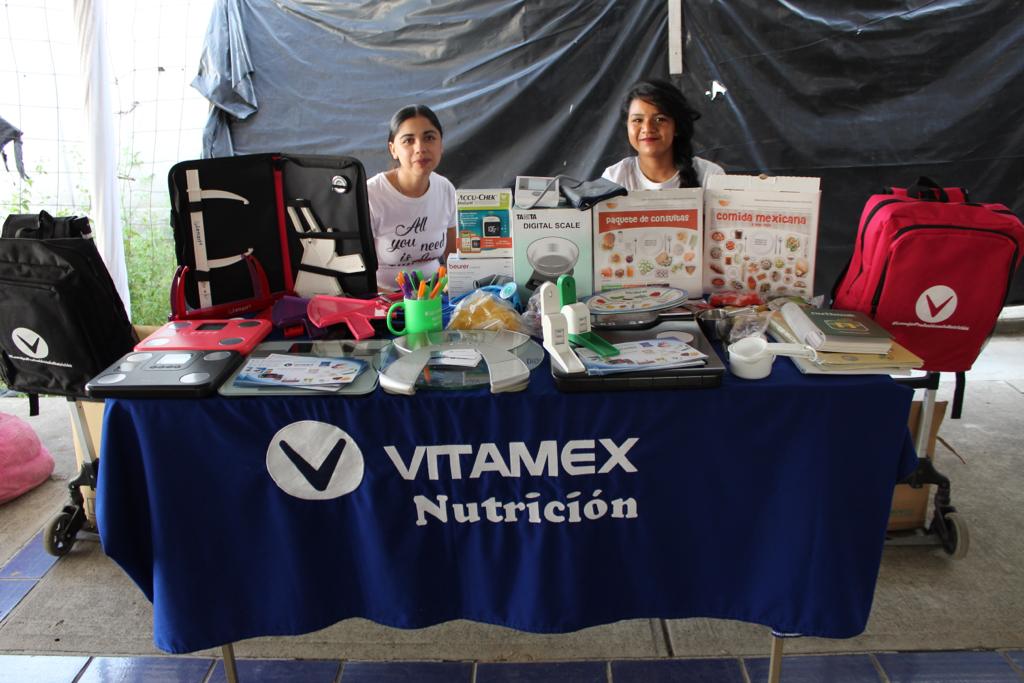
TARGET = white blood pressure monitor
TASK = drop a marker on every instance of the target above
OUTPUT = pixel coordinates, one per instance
(536, 192)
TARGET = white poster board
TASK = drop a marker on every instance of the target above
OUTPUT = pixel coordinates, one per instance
(761, 234)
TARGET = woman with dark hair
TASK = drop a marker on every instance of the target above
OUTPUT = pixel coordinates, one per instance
(412, 209)
(659, 124)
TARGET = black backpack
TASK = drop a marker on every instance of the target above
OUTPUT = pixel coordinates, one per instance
(61, 318)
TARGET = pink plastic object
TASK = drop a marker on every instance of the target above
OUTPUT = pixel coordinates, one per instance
(24, 461)
(324, 311)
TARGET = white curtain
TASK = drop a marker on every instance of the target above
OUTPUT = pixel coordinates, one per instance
(106, 205)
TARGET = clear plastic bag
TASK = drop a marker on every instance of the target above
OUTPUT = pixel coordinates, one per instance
(748, 325)
(481, 310)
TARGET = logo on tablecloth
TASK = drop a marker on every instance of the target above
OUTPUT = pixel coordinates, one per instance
(315, 461)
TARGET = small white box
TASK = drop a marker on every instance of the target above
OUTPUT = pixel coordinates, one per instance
(547, 243)
(536, 192)
(484, 229)
(464, 272)
(649, 238)
(761, 234)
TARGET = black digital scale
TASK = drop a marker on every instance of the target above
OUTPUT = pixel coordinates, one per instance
(164, 374)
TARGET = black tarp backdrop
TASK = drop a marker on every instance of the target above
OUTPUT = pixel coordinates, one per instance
(862, 97)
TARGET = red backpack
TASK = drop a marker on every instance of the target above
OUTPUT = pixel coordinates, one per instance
(934, 269)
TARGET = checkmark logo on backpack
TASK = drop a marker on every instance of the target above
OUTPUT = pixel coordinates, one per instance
(30, 342)
(314, 460)
(935, 304)
(33, 346)
(318, 477)
(934, 308)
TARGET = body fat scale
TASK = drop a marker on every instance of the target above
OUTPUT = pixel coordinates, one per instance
(168, 374)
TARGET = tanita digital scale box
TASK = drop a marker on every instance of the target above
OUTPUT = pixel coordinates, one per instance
(551, 242)
(484, 229)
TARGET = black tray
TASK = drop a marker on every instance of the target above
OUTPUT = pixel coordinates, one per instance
(705, 377)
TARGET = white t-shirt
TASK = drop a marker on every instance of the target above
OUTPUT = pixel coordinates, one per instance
(409, 232)
(628, 174)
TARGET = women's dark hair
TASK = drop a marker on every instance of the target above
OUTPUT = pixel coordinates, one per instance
(671, 101)
(409, 112)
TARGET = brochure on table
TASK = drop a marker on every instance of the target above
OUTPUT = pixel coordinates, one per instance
(485, 229)
(649, 238)
(761, 234)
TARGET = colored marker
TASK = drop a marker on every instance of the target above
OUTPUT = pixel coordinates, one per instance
(439, 286)
(403, 282)
(422, 290)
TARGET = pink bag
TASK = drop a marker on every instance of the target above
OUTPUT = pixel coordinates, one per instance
(24, 461)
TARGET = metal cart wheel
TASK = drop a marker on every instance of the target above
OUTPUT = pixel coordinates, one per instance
(957, 539)
(59, 536)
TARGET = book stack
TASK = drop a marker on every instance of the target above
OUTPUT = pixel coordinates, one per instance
(847, 342)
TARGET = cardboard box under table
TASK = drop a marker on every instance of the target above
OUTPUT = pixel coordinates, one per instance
(649, 238)
(910, 505)
(761, 234)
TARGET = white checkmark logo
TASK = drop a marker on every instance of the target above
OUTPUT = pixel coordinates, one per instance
(30, 343)
(314, 460)
(936, 304)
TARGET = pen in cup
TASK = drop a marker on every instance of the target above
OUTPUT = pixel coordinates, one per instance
(439, 286)
(403, 284)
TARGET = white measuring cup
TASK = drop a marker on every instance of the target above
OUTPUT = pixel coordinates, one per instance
(752, 357)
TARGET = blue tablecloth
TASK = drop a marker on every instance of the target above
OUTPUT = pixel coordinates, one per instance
(548, 512)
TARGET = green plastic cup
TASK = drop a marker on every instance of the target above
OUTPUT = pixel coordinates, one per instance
(421, 315)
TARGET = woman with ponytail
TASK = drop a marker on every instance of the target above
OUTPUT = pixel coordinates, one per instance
(659, 125)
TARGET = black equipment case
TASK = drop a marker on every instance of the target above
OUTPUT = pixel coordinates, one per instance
(243, 227)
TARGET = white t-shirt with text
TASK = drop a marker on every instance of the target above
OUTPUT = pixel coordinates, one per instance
(628, 174)
(409, 232)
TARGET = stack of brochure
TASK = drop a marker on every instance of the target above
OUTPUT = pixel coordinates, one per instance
(643, 356)
(316, 373)
(898, 359)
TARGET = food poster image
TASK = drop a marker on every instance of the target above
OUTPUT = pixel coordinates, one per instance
(765, 250)
(636, 246)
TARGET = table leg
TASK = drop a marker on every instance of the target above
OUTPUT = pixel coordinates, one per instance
(924, 422)
(230, 670)
(775, 664)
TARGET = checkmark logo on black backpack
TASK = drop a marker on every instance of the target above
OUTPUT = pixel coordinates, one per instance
(318, 477)
(32, 347)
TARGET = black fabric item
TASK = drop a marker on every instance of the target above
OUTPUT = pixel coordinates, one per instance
(44, 226)
(958, 395)
(61, 319)
(333, 187)
(585, 194)
(861, 95)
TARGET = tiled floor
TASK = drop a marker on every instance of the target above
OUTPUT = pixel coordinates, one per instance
(31, 563)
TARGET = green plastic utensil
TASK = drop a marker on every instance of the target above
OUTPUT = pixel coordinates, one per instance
(567, 296)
